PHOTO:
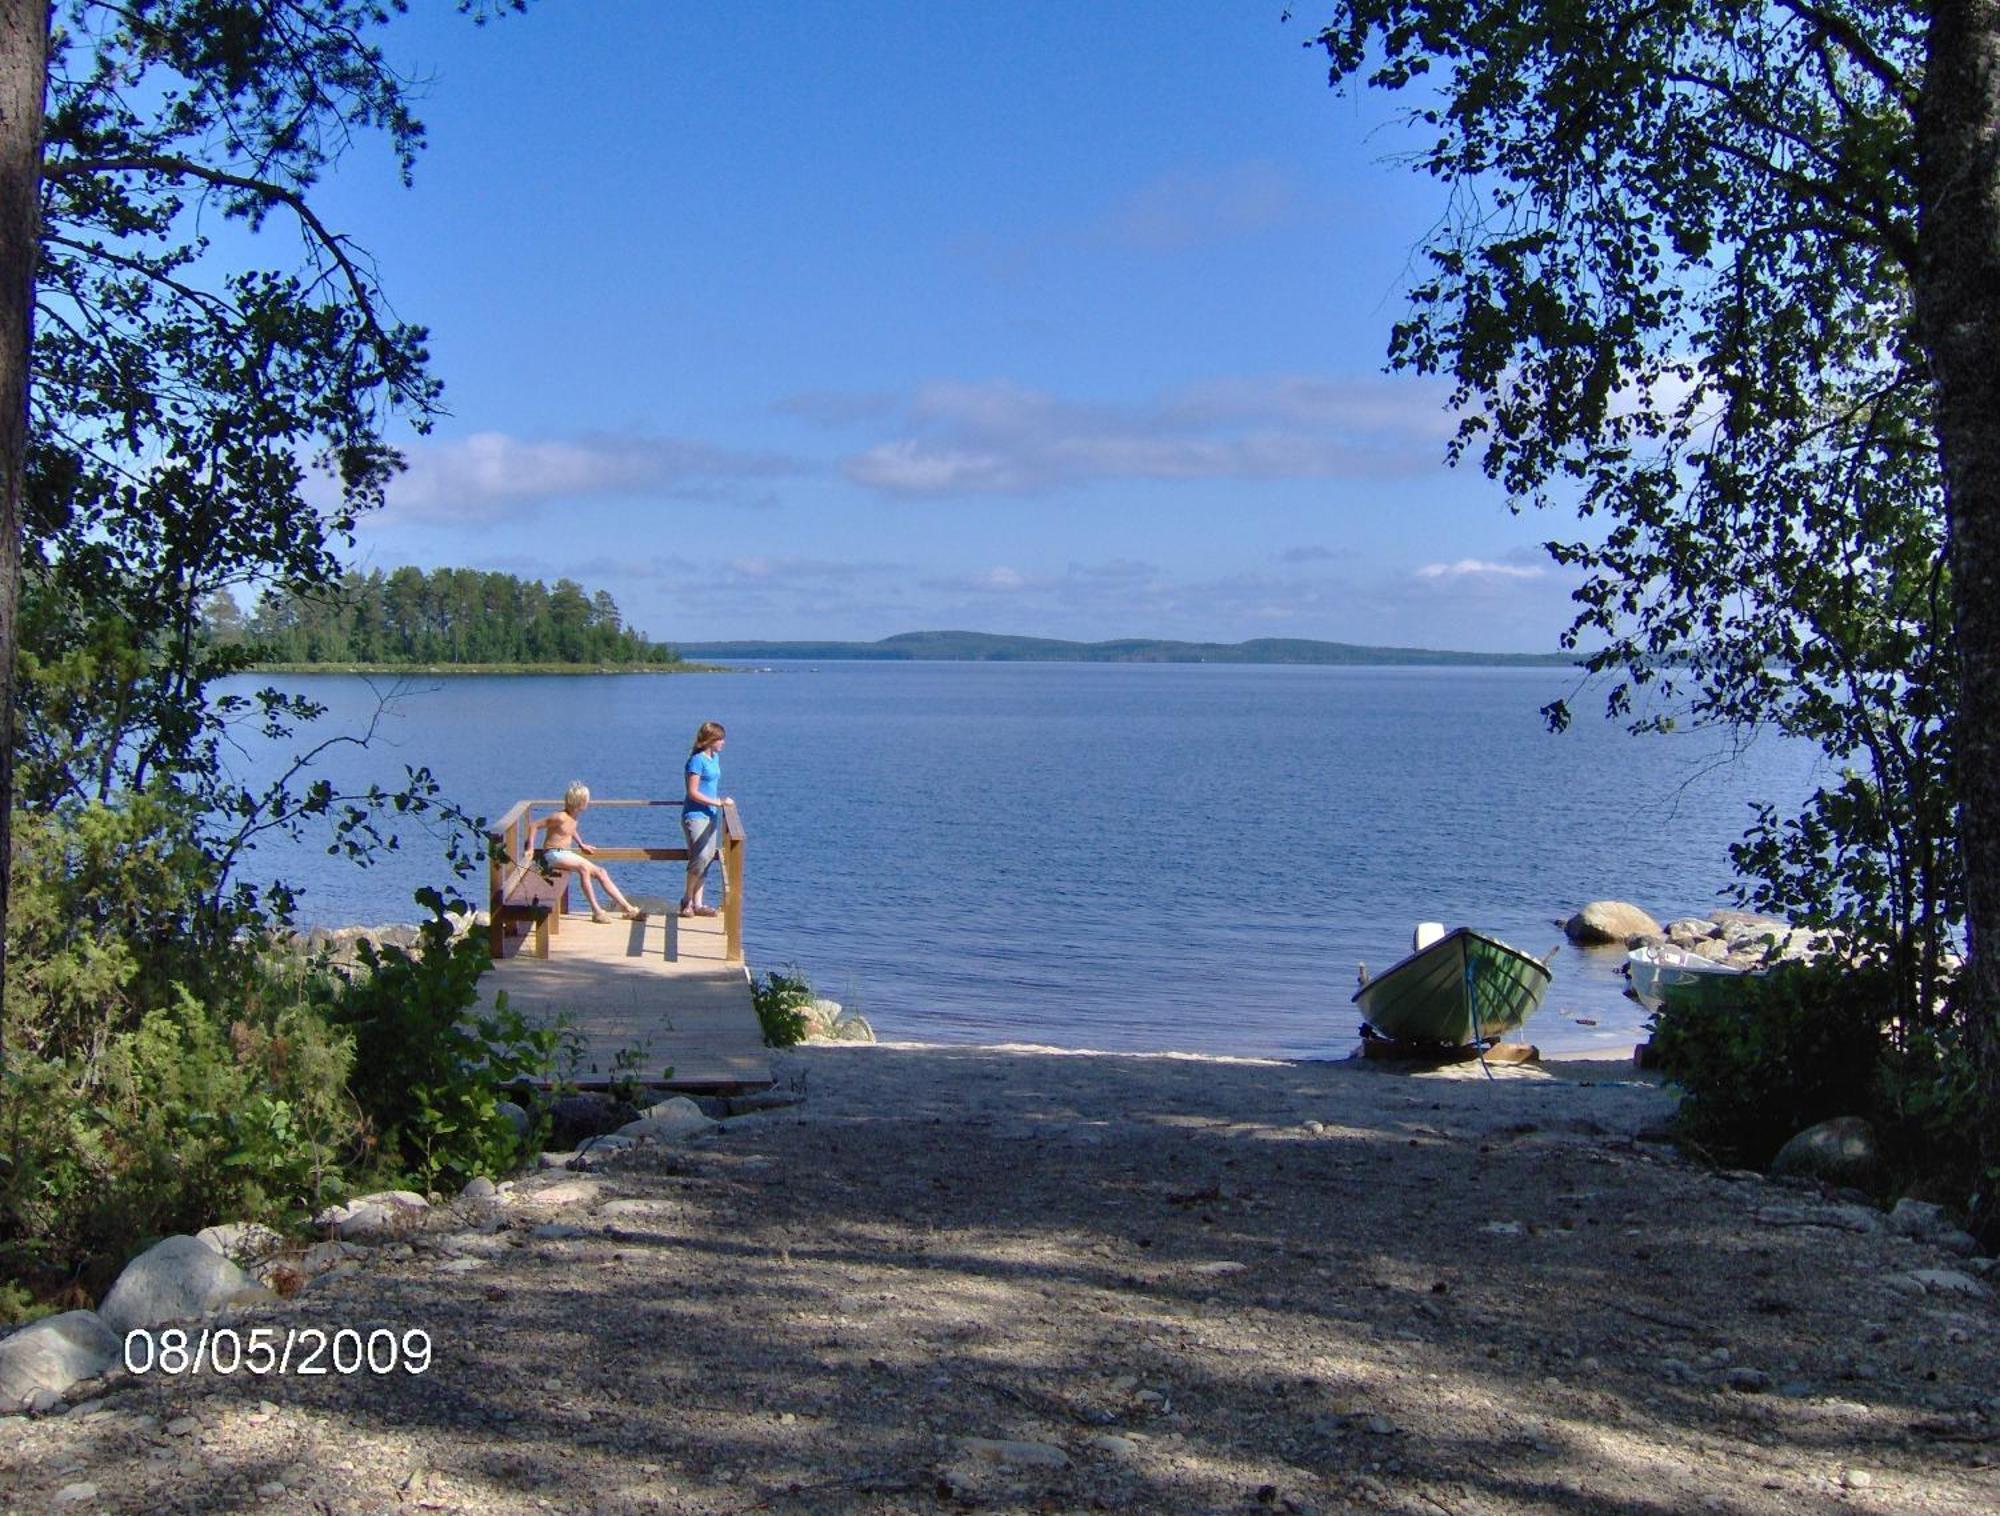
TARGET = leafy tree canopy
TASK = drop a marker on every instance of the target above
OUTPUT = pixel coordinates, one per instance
(1675, 286)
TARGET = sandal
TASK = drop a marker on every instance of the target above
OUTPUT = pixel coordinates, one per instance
(635, 914)
(599, 917)
(706, 910)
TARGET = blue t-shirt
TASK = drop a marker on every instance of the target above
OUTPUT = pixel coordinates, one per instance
(707, 769)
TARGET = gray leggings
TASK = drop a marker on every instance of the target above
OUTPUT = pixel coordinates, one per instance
(704, 836)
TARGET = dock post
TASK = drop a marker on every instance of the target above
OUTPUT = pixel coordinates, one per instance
(732, 877)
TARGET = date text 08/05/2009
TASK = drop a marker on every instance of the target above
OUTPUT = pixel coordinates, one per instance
(269, 1350)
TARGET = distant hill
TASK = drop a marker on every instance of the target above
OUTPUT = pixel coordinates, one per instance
(987, 647)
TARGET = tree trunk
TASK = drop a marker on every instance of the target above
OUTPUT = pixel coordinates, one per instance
(1958, 311)
(24, 65)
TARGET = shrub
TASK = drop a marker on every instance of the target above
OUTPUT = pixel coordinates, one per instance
(781, 998)
(156, 1079)
(1799, 1045)
(429, 1076)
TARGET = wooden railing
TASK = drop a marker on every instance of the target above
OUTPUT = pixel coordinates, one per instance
(507, 851)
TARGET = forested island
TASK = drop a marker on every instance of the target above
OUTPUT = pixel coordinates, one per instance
(448, 616)
(976, 647)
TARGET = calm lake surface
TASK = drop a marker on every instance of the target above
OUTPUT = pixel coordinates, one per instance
(1122, 857)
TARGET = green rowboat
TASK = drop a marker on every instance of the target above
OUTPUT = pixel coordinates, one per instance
(1459, 988)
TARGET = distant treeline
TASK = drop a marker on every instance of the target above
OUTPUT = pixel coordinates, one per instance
(444, 616)
(990, 647)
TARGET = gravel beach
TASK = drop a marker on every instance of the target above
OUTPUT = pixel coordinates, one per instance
(1013, 1279)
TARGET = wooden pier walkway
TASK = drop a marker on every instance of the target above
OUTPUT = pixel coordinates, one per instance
(639, 998)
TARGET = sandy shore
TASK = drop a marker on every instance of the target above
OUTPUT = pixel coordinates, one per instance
(1009, 1279)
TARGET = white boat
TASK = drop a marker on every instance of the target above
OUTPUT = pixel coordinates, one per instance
(1653, 967)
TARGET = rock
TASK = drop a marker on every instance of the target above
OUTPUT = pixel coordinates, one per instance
(479, 1188)
(1952, 1240)
(1747, 1381)
(386, 1213)
(675, 1120)
(1938, 1282)
(557, 1231)
(1840, 1151)
(173, 1280)
(52, 1354)
(1039, 1455)
(555, 1160)
(76, 1494)
(1607, 921)
(517, 1118)
(1919, 1219)
(246, 1242)
(322, 1256)
(1715, 950)
(851, 1026)
(1753, 919)
(562, 1192)
(1686, 931)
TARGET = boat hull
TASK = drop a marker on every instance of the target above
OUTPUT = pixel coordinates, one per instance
(1658, 974)
(1465, 987)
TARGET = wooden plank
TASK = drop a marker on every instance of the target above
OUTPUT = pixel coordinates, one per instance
(633, 1010)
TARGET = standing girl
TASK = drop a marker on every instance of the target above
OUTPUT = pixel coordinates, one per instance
(701, 814)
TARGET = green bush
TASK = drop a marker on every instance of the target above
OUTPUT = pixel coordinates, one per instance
(428, 1075)
(781, 998)
(1799, 1045)
(167, 1069)
(156, 1079)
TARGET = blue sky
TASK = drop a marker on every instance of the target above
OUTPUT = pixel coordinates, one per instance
(844, 320)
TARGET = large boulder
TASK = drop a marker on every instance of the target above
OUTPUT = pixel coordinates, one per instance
(173, 1280)
(1842, 1151)
(246, 1242)
(675, 1120)
(53, 1354)
(1608, 921)
(370, 1218)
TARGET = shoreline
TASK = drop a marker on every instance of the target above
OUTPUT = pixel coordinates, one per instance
(385, 669)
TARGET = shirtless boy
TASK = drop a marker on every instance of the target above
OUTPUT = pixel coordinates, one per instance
(562, 852)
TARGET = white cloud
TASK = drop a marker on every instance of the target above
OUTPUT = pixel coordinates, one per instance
(1467, 568)
(1002, 438)
(490, 476)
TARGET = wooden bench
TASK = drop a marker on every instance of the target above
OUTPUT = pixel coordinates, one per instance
(518, 893)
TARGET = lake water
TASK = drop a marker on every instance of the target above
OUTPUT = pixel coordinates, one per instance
(1121, 857)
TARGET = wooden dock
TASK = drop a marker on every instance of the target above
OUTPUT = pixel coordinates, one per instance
(636, 999)
(640, 998)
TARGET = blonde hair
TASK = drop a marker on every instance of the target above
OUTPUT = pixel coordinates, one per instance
(576, 797)
(709, 732)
